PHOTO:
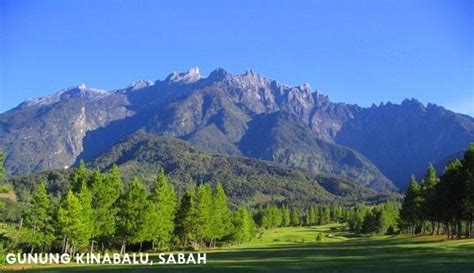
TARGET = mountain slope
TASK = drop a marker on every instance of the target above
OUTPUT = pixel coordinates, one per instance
(282, 138)
(47, 132)
(246, 179)
(403, 139)
(218, 111)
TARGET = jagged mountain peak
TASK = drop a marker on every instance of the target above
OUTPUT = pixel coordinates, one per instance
(82, 91)
(77, 91)
(136, 85)
(218, 74)
(414, 104)
(215, 112)
(191, 76)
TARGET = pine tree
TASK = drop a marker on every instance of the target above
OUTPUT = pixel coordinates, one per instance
(468, 172)
(312, 216)
(429, 208)
(221, 215)
(163, 199)
(324, 215)
(38, 220)
(79, 176)
(204, 213)
(186, 218)
(106, 189)
(71, 223)
(87, 214)
(286, 218)
(454, 191)
(357, 216)
(411, 207)
(266, 217)
(133, 207)
(295, 217)
(243, 226)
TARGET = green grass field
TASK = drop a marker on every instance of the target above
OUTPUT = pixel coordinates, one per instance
(295, 250)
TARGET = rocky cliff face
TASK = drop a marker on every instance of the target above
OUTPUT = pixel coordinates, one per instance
(403, 139)
(47, 132)
(219, 113)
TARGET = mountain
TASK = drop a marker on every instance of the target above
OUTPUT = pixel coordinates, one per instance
(47, 132)
(402, 140)
(283, 138)
(222, 112)
(246, 180)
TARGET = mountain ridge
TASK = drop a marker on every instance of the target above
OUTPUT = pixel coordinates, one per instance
(215, 112)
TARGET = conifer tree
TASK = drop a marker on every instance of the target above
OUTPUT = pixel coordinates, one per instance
(163, 204)
(286, 218)
(410, 212)
(87, 213)
(468, 170)
(38, 220)
(71, 223)
(204, 213)
(133, 207)
(295, 217)
(312, 216)
(428, 196)
(79, 176)
(243, 226)
(221, 215)
(186, 218)
(106, 189)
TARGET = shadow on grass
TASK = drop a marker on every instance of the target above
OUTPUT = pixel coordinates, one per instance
(392, 254)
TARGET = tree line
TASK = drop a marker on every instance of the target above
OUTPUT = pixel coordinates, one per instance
(272, 216)
(442, 204)
(96, 214)
(378, 219)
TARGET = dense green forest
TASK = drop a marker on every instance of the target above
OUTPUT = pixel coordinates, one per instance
(99, 212)
(442, 204)
(246, 180)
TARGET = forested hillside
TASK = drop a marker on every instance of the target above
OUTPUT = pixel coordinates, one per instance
(245, 180)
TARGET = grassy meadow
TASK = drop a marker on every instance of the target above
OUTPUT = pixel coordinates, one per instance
(296, 250)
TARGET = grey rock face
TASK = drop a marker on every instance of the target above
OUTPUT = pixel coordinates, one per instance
(219, 113)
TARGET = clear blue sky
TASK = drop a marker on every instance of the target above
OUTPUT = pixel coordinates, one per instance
(360, 52)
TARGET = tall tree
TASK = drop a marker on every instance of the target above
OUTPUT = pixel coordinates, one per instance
(243, 226)
(357, 216)
(163, 201)
(468, 166)
(429, 207)
(295, 217)
(71, 223)
(312, 215)
(79, 176)
(221, 215)
(410, 213)
(453, 185)
(106, 189)
(133, 207)
(186, 221)
(204, 213)
(87, 213)
(38, 220)
(285, 216)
